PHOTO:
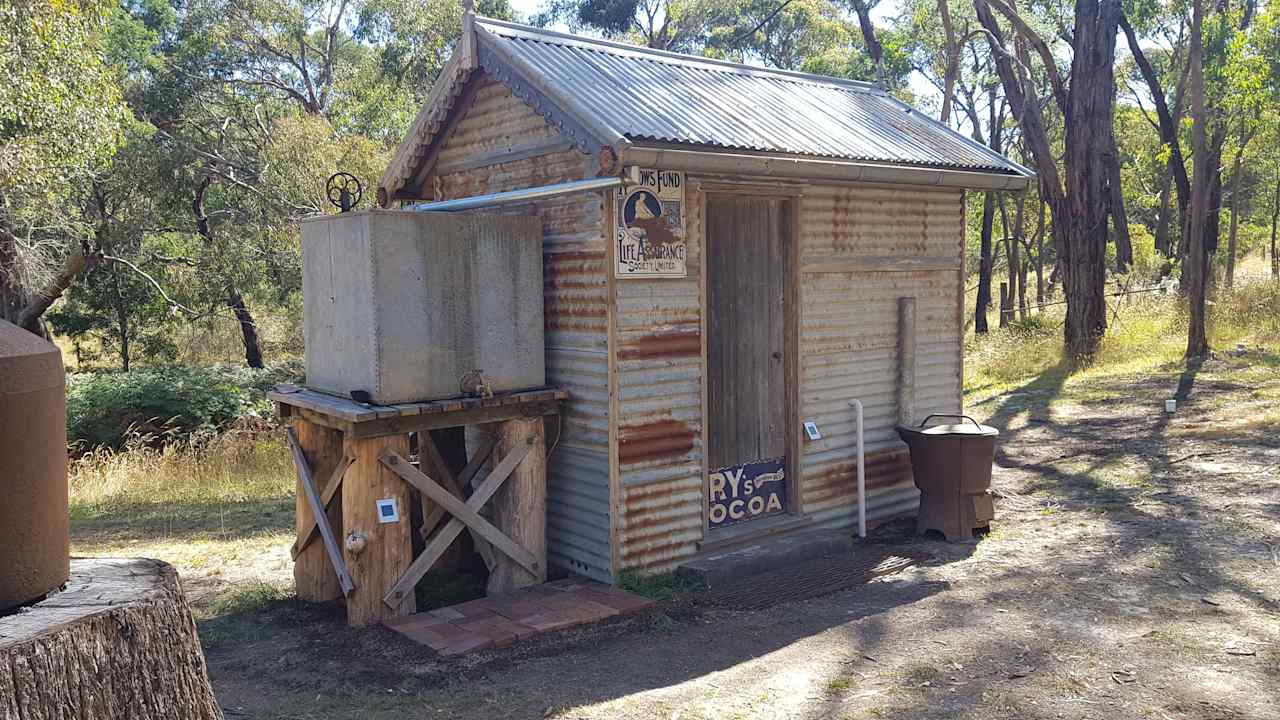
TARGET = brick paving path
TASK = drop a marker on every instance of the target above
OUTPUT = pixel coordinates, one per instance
(500, 620)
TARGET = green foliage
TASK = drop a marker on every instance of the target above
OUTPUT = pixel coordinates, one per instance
(163, 405)
(60, 114)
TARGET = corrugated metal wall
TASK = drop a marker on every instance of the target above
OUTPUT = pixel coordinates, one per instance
(849, 336)
(576, 312)
(659, 366)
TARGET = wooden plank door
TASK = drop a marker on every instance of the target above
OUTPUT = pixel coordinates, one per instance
(747, 267)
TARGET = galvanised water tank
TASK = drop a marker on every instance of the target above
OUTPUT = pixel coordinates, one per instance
(34, 529)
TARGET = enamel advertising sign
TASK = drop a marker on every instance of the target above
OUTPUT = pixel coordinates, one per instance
(650, 222)
(747, 492)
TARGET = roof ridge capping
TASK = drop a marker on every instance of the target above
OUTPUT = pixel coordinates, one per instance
(536, 34)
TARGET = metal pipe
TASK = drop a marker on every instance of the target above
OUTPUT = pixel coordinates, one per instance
(813, 168)
(516, 197)
(862, 472)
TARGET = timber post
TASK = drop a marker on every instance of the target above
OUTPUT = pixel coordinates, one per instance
(520, 507)
(312, 576)
(376, 529)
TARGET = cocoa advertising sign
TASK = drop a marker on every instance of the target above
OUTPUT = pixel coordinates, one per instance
(747, 492)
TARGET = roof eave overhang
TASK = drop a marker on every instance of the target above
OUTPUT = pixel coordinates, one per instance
(718, 161)
(432, 116)
(564, 110)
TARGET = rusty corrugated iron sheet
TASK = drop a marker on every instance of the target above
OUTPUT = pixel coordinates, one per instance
(661, 523)
(654, 96)
(575, 297)
(659, 365)
(849, 339)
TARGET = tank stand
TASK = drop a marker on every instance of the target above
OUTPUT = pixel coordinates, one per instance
(362, 514)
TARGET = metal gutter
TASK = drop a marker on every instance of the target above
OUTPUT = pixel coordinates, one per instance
(517, 197)
(819, 168)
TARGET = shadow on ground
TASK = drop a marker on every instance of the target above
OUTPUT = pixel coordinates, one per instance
(1132, 572)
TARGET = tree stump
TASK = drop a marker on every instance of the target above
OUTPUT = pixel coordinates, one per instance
(520, 507)
(119, 642)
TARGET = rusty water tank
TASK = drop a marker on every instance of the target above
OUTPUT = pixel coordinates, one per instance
(34, 529)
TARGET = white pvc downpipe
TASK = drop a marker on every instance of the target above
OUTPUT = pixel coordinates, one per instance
(862, 472)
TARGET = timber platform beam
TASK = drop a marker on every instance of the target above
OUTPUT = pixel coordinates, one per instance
(361, 491)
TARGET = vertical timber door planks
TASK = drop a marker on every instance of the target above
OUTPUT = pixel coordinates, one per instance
(747, 257)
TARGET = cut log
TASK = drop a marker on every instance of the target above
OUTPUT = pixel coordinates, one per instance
(313, 574)
(520, 507)
(119, 642)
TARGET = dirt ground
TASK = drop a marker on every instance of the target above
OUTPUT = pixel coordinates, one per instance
(1133, 571)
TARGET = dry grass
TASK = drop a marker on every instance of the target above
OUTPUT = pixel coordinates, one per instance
(222, 513)
(1146, 335)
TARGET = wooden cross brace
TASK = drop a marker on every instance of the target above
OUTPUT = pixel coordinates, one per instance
(432, 517)
(465, 515)
(318, 504)
(326, 496)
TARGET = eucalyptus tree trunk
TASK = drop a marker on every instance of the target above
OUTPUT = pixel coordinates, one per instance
(1079, 197)
(1196, 262)
(1237, 175)
(951, 69)
(234, 300)
(985, 261)
(863, 10)
(1018, 275)
(986, 249)
(1275, 220)
(1040, 255)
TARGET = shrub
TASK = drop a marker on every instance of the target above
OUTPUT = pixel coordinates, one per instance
(157, 406)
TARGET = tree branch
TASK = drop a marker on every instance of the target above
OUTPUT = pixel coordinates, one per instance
(1046, 55)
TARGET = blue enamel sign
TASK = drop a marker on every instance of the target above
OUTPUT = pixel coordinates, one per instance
(747, 492)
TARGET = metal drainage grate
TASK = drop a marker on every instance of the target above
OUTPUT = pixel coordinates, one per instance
(811, 579)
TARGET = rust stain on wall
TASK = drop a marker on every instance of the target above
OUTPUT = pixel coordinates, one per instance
(653, 441)
(883, 469)
(680, 342)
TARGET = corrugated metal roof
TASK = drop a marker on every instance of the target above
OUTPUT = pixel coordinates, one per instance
(651, 96)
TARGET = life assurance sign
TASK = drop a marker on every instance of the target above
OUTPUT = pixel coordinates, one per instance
(650, 240)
